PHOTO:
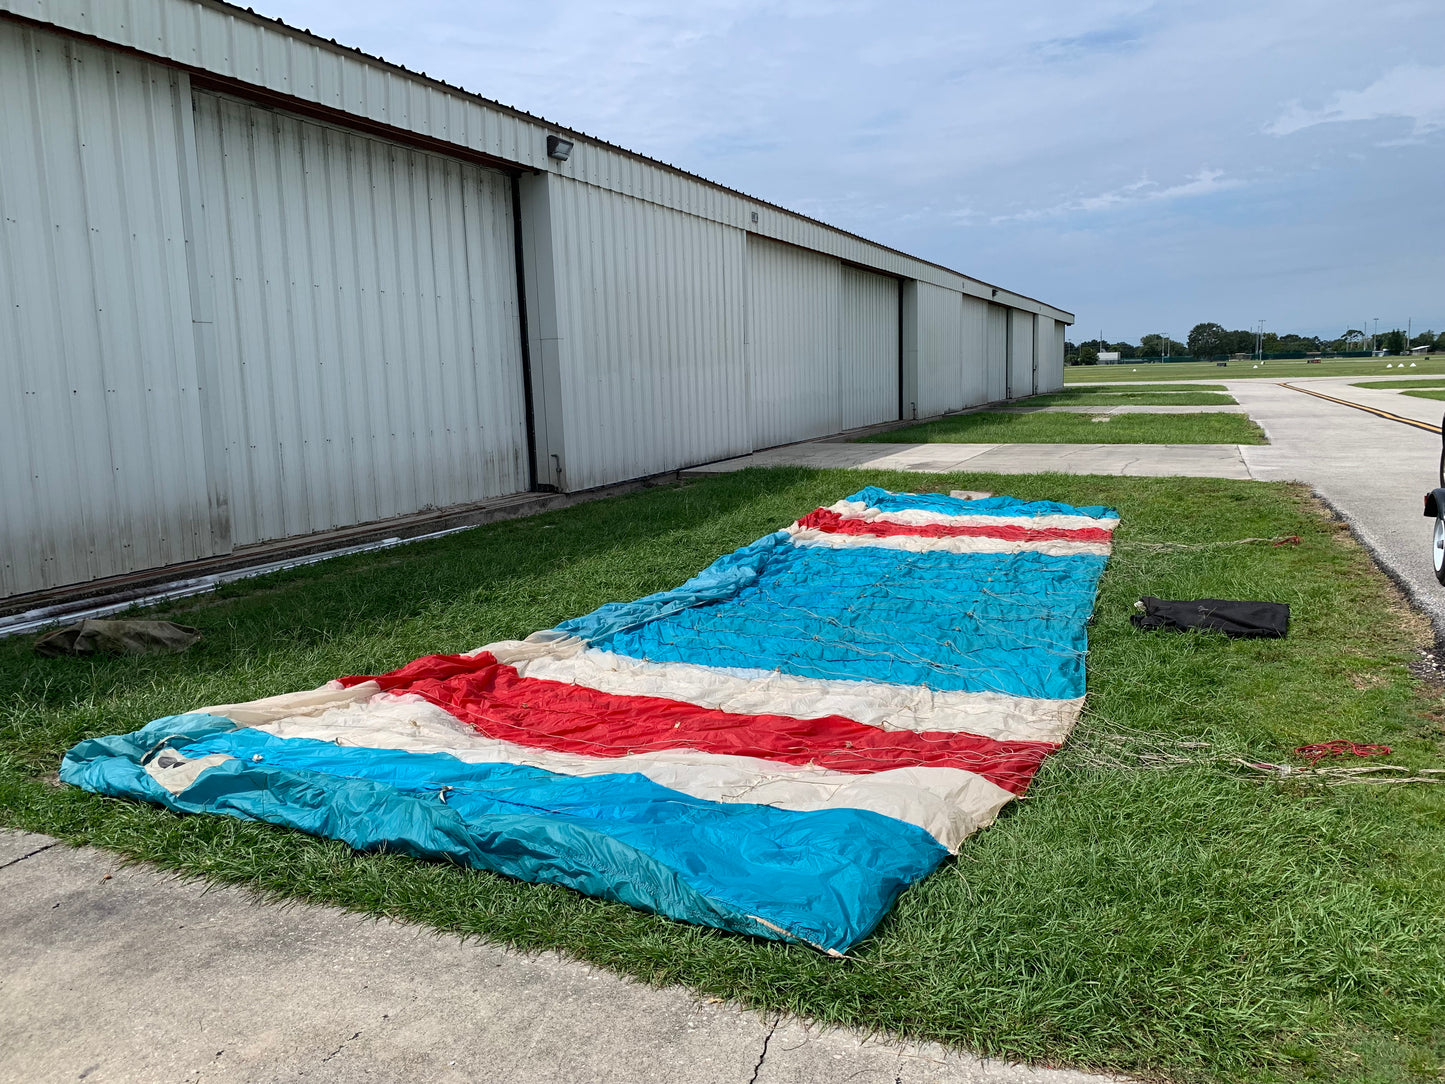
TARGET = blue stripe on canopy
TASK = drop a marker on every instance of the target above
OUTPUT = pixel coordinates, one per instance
(1011, 623)
(885, 501)
(825, 877)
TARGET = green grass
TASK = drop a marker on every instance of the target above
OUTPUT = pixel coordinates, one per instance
(993, 427)
(1387, 384)
(1196, 923)
(1420, 389)
(1154, 395)
(1239, 370)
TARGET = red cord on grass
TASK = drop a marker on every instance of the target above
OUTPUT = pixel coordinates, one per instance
(1338, 748)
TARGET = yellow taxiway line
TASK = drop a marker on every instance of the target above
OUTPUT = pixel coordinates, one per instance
(1367, 409)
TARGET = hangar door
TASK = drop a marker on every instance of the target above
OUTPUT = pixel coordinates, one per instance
(1020, 353)
(823, 349)
(868, 344)
(366, 324)
(996, 353)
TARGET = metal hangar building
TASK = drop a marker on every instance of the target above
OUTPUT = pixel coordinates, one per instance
(257, 288)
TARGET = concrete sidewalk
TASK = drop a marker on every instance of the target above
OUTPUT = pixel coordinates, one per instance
(1151, 460)
(127, 974)
(1373, 471)
(1128, 408)
(111, 973)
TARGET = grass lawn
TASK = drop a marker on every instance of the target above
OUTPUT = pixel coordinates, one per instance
(1238, 370)
(1420, 389)
(1386, 384)
(1196, 921)
(1153, 395)
(993, 427)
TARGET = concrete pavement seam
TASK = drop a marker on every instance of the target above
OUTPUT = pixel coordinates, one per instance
(32, 854)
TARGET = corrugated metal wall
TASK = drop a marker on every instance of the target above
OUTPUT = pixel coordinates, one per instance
(940, 364)
(793, 325)
(261, 52)
(1048, 355)
(1056, 362)
(366, 324)
(868, 372)
(996, 335)
(973, 351)
(1021, 353)
(650, 316)
(237, 325)
(100, 421)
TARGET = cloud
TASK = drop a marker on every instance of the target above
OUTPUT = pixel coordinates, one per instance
(1094, 42)
(1205, 182)
(1114, 157)
(1409, 92)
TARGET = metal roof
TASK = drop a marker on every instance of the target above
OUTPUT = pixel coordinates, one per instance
(81, 19)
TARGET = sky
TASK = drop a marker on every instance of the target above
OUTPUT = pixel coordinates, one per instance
(1144, 166)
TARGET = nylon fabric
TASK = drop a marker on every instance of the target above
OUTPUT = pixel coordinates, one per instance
(777, 747)
(566, 718)
(976, 622)
(745, 691)
(947, 803)
(825, 519)
(805, 536)
(917, 516)
(885, 501)
(826, 877)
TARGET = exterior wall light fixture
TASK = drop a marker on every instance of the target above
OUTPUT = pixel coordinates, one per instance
(558, 148)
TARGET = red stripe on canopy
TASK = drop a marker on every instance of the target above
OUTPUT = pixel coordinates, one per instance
(496, 701)
(825, 519)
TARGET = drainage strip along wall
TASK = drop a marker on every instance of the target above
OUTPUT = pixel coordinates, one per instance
(255, 287)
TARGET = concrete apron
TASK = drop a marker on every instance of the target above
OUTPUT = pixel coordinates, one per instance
(1127, 408)
(1372, 471)
(116, 973)
(1150, 460)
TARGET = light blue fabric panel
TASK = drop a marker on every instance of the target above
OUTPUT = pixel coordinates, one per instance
(975, 622)
(825, 877)
(987, 506)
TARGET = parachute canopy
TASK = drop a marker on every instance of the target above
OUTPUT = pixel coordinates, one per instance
(778, 747)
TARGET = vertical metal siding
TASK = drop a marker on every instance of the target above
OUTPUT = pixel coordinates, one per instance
(242, 46)
(1048, 361)
(1056, 361)
(100, 424)
(650, 317)
(366, 318)
(973, 351)
(1021, 353)
(868, 345)
(793, 323)
(941, 363)
(997, 352)
(366, 321)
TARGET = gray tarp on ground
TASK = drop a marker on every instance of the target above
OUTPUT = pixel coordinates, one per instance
(92, 637)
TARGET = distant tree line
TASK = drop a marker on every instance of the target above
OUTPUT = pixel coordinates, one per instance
(1214, 341)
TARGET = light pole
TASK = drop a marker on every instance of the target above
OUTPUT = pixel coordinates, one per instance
(1374, 337)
